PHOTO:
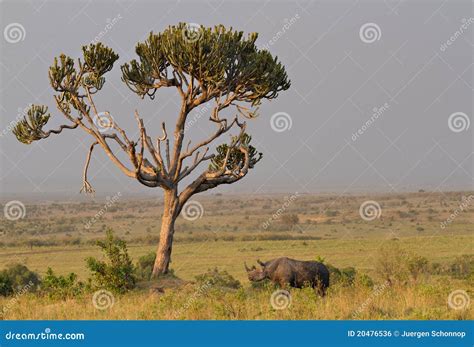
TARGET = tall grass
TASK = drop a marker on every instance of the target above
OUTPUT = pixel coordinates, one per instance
(421, 301)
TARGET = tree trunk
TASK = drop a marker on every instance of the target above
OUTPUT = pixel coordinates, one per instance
(163, 252)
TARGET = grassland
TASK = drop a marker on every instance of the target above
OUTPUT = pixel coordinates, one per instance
(234, 229)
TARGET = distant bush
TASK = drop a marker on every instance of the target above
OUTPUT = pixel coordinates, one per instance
(61, 287)
(462, 267)
(116, 272)
(218, 278)
(290, 220)
(332, 213)
(435, 268)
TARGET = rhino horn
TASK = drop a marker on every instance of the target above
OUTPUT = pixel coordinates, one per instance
(246, 267)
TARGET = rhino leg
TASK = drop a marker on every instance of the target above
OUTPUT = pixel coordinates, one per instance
(319, 288)
(321, 291)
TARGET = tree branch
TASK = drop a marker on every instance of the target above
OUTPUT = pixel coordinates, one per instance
(86, 186)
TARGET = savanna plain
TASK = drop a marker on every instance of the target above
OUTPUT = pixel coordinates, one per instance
(412, 259)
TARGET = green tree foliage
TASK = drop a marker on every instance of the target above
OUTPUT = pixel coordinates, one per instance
(221, 59)
(30, 128)
(67, 79)
(235, 159)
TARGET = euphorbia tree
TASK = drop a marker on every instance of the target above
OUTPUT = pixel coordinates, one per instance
(217, 65)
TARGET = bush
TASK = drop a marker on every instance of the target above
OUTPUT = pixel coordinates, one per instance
(365, 280)
(391, 263)
(61, 287)
(21, 277)
(144, 266)
(396, 265)
(435, 269)
(218, 278)
(116, 273)
(17, 277)
(417, 266)
(266, 284)
(6, 285)
(331, 213)
(290, 220)
(345, 276)
(462, 267)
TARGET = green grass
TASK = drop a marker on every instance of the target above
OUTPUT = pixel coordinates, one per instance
(191, 259)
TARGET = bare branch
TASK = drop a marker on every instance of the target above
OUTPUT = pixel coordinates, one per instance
(101, 140)
(208, 180)
(168, 161)
(86, 186)
(197, 160)
(165, 135)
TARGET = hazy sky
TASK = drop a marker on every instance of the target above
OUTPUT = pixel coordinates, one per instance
(410, 60)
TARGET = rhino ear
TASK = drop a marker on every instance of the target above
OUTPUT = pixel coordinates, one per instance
(262, 264)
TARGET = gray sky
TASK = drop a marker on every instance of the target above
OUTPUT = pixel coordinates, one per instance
(407, 70)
